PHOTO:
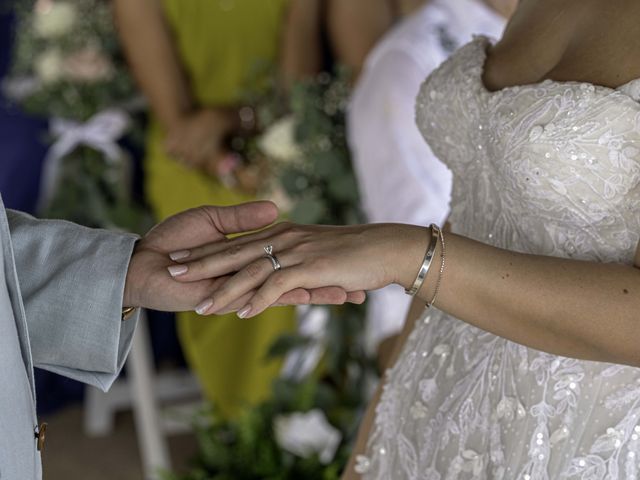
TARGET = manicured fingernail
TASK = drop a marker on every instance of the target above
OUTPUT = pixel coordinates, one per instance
(177, 270)
(182, 254)
(204, 306)
(244, 311)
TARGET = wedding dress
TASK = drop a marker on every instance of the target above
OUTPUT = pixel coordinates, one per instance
(553, 169)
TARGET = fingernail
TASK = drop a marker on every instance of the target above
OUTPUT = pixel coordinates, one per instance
(204, 306)
(179, 255)
(177, 270)
(244, 311)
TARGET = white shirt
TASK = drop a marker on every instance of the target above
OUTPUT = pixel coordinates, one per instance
(400, 179)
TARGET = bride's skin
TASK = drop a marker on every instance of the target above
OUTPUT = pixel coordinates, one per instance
(551, 304)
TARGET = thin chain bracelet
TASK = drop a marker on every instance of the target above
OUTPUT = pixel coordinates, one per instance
(439, 281)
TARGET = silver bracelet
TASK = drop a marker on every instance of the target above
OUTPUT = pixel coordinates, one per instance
(439, 281)
(426, 263)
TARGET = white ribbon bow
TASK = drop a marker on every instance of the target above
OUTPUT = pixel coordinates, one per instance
(101, 132)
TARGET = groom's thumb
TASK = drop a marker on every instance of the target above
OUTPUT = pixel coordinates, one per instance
(244, 217)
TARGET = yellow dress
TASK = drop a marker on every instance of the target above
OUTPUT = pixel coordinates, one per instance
(220, 42)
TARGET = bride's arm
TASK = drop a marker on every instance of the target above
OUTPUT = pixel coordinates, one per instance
(567, 307)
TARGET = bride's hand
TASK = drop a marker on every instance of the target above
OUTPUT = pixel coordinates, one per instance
(354, 258)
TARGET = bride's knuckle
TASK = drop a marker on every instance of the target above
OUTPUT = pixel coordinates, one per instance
(304, 244)
(320, 263)
(278, 280)
(289, 236)
(253, 270)
(297, 248)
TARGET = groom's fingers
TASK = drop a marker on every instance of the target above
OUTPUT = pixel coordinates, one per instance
(356, 297)
(275, 286)
(297, 296)
(314, 296)
(320, 296)
(301, 296)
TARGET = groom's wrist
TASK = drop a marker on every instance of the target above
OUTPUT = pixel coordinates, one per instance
(132, 285)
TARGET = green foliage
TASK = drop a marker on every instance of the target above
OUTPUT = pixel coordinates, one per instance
(322, 185)
(97, 193)
(246, 448)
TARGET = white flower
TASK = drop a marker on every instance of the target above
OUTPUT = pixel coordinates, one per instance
(53, 18)
(48, 66)
(279, 143)
(306, 434)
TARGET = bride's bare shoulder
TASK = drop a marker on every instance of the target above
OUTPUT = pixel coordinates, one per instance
(534, 41)
(585, 40)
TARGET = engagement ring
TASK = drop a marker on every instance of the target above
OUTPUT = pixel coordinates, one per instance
(268, 250)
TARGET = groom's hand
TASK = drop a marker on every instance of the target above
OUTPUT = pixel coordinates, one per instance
(149, 284)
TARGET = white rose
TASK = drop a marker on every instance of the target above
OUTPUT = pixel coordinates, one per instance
(306, 434)
(54, 19)
(279, 143)
(48, 66)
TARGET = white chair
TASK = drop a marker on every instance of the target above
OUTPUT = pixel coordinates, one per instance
(146, 392)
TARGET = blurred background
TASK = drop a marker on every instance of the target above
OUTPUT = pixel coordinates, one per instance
(117, 114)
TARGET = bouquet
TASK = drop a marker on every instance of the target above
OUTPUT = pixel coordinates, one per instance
(67, 65)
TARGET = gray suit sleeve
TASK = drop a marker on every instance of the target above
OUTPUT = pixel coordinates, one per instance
(72, 282)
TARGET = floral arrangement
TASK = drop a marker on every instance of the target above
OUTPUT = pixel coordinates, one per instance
(308, 426)
(309, 152)
(67, 65)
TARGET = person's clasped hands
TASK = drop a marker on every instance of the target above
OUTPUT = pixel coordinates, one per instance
(197, 139)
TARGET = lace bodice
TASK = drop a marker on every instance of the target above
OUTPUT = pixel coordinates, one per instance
(553, 169)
